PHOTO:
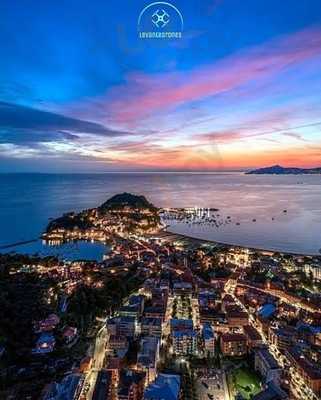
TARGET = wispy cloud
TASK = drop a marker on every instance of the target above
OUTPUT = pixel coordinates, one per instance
(202, 118)
(143, 95)
(294, 135)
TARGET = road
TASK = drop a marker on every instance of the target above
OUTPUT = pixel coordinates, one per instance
(286, 298)
(97, 363)
(98, 358)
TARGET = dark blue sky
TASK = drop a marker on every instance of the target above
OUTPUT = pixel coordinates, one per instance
(78, 86)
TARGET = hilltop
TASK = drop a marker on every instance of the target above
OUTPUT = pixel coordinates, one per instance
(279, 170)
(122, 200)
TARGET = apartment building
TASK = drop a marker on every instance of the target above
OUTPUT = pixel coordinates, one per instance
(233, 344)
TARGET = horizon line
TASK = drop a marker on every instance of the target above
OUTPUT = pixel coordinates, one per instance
(123, 172)
(156, 171)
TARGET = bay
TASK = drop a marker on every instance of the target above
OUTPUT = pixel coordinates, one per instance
(28, 201)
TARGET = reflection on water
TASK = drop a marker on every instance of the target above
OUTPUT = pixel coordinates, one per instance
(71, 251)
(288, 234)
(28, 201)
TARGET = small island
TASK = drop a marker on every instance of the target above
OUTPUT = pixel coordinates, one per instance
(279, 170)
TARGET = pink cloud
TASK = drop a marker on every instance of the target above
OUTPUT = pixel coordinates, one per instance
(144, 95)
(221, 137)
(284, 121)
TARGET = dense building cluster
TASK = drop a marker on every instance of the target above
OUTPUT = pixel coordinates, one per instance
(163, 317)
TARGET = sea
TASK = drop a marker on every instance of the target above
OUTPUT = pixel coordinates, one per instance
(272, 212)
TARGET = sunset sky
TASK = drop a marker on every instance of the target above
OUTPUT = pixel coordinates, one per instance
(80, 91)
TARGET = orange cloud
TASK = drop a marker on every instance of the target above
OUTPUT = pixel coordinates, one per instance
(217, 158)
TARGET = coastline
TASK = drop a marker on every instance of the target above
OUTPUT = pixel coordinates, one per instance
(181, 236)
(173, 236)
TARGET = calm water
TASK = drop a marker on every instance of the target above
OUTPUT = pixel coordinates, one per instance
(71, 251)
(27, 201)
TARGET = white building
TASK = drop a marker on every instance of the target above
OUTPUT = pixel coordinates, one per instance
(185, 342)
(184, 336)
(314, 270)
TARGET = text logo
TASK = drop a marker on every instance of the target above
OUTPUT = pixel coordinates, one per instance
(160, 20)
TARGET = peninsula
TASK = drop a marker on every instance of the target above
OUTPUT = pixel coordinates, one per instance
(122, 214)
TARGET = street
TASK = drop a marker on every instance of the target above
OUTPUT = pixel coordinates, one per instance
(97, 363)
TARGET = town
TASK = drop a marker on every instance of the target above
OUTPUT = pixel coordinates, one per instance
(161, 317)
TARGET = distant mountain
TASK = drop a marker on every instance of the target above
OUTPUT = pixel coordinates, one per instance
(278, 170)
(122, 200)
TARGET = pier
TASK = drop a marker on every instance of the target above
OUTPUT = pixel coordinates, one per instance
(7, 246)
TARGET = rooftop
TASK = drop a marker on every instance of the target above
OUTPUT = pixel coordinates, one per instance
(102, 385)
(269, 359)
(272, 392)
(207, 332)
(233, 337)
(309, 369)
(127, 378)
(152, 321)
(165, 387)
(267, 310)
(67, 389)
(251, 332)
(190, 333)
(181, 324)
